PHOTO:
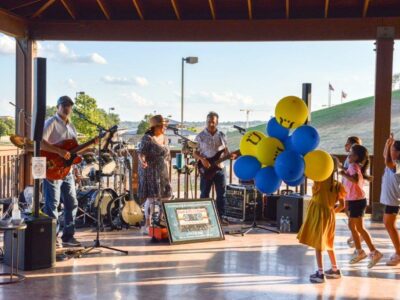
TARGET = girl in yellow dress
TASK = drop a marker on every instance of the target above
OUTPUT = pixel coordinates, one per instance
(318, 229)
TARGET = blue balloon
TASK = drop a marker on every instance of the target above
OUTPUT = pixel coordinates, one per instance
(246, 167)
(289, 165)
(288, 143)
(295, 182)
(267, 181)
(276, 130)
(305, 139)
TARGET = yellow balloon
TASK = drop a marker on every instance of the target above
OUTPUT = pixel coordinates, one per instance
(249, 142)
(291, 112)
(268, 149)
(319, 165)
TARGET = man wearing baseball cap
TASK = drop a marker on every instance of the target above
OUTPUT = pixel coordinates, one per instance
(59, 128)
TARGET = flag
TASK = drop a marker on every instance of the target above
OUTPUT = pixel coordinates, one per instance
(344, 95)
(331, 87)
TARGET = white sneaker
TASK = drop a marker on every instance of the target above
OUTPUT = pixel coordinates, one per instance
(145, 230)
(357, 256)
(374, 258)
(394, 260)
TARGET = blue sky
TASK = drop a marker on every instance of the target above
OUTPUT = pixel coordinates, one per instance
(139, 78)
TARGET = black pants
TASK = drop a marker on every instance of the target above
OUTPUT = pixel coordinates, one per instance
(220, 187)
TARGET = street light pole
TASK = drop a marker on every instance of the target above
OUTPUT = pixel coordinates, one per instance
(190, 60)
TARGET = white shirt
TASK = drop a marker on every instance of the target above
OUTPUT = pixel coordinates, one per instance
(210, 144)
(57, 130)
(390, 192)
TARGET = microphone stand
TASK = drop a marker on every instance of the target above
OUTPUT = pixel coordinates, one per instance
(100, 192)
(186, 173)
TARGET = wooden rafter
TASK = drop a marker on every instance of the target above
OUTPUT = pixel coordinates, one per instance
(139, 9)
(176, 9)
(326, 8)
(212, 9)
(43, 8)
(365, 8)
(250, 8)
(104, 9)
(12, 24)
(330, 29)
(70, 9)
(287, 6)
(23, 5)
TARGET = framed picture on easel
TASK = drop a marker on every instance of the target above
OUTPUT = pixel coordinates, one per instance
(191, 221)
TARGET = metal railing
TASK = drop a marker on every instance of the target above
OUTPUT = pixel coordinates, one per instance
(7, 154)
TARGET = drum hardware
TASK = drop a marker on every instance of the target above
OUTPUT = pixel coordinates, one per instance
(100, 190)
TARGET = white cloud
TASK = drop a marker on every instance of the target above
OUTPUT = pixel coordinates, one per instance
(63, 53)
(7, 45)
(139, 81)
(223, 98)
(71, 83)
(139, 100)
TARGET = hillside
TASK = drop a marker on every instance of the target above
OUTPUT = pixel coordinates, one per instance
(336, 123)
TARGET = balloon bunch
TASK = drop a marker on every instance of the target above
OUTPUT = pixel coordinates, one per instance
(279, 155)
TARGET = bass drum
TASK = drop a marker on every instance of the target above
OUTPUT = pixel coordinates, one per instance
(90, 198)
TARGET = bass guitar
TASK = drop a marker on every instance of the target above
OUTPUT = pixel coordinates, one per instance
(209, 173)
(58, 167)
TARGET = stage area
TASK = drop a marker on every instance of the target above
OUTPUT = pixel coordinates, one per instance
(257, 266)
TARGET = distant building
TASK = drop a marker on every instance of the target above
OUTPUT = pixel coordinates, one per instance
(130, 135)
(3, 118)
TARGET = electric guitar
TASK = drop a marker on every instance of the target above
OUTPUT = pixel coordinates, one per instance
(58, 167)
(209, 173)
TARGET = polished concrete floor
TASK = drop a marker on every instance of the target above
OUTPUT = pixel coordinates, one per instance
(257, 266)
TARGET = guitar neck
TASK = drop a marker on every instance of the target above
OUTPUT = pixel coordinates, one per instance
(83, 146)
(222, 159)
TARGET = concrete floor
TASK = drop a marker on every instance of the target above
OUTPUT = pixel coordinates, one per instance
(258, 266)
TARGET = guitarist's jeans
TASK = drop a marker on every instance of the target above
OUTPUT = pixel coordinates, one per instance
(56, 190)
(220, 187)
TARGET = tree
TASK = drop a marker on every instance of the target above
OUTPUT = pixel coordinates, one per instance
(144, 125)
(88, 106)
(3, 128)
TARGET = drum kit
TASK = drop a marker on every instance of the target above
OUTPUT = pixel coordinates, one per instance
(118, 209)
(117, 173)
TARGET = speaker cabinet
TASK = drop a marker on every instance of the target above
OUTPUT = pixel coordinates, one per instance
(37, 244)
(39, 104)
(291, 206)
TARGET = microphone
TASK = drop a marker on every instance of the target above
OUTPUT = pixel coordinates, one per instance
(240, 129)
(80, 114)
(170, 127)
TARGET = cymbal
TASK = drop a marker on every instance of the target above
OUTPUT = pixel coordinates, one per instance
(21, 142)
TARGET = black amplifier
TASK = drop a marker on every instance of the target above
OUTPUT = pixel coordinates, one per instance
(240, 201)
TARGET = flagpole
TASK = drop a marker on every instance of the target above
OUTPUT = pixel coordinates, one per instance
(329, 95)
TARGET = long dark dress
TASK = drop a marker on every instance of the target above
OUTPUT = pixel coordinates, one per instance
(154, 180)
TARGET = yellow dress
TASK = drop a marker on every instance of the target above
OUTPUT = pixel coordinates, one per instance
(318, 229)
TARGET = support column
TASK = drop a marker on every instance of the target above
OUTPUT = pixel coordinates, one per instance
(383, 105)
(25, 53)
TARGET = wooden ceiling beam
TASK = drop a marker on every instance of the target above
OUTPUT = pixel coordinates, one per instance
(250, 8)
(326, 8)
(365, 8)
(70, 8)
(176, 9)
(139, 9)
(330, 29)
(211, 3)
(104, 9)
(23, 5)
(287, 7)
(13, 25)
(43, 8)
